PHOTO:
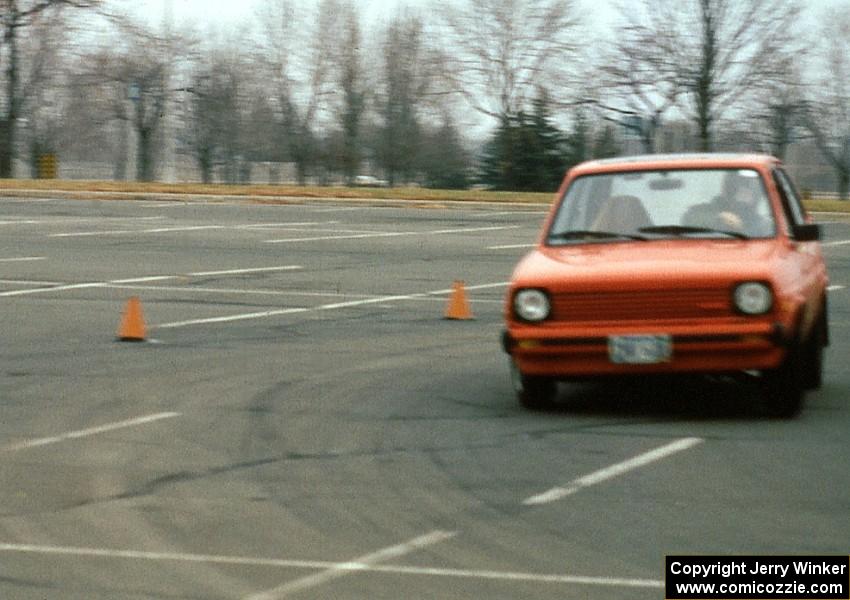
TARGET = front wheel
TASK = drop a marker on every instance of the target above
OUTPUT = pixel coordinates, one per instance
(533, 392)
(784, 387)
(813, 360)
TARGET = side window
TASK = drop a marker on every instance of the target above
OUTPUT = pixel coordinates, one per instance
(791, 204)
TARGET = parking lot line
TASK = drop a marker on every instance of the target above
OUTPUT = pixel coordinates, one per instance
(30, 282)
(322, 307)
(509, 576)
(147, 279)
(510, 246)
(229, 291)
(380, 234)
(358, 564)
(137, 231)
(230, 318)
(23, 259)
(70, 220)
(246, 271)
(56, 288)
(284, 225)
(615, 470)
(73, 435)
(342, 209)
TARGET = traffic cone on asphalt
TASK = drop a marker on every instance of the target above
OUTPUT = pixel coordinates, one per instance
(132, 327)
(458, 306)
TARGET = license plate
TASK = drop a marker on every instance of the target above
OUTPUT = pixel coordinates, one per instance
(639, 349)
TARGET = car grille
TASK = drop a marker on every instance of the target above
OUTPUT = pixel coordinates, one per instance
(641, 305)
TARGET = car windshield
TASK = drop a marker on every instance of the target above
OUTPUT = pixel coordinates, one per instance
(660, 204)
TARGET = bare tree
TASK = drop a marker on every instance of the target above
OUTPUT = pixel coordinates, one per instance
(41, 67)
(277, 41)
(502, 51)
(779, 114)
(16, 17)
(213, 128)
(353, 101)
(641, 81)
(405, 84)
(829, 116)
(136, 71)
(725, 50)
(300, 61)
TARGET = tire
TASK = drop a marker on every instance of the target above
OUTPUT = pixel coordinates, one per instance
(534, 393)
(784, 388)
(813, 359)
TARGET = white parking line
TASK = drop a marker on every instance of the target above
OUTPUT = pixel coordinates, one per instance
(246, 292)
(27, 200)
(23, 259)
(246, 271)
(284, 225)
(57, 288)
(358, 564)
(151, 278)
(510, 246)
(70, 220)
(380, 234)
(542, 578)
(834, 288)
(30, 282)
(250, 227)
(607, 473)
(504, 213)
(342, 209)
(141, 279)
(525, 577)
(322, 307)
(137, 231)
(227, 319)
(835, 243)
(73, 435)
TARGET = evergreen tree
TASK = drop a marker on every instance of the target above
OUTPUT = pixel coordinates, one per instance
(605, 145)
(550, 146)
(443, 160)
(526, 152)
(578, 141)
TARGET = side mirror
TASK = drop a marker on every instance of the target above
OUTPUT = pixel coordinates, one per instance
(806, 233)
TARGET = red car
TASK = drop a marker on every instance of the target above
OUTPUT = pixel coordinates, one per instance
(690, 263)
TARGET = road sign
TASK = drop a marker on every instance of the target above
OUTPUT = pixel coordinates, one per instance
(47, 166)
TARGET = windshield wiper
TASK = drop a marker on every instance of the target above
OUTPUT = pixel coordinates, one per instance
(581, 234)
(686, 229)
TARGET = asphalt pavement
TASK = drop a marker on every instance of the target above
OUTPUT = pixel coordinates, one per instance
(302, 422)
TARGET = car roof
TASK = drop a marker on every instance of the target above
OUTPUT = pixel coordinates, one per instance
(675, 161)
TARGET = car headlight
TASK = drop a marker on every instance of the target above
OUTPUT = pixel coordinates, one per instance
(531, 305)
(753, 298)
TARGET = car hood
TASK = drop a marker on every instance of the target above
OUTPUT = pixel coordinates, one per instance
(664, 263)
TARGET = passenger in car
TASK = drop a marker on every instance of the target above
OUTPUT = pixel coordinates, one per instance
(621, 214)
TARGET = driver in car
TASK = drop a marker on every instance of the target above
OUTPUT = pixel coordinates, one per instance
(737, 209)
(741, 212)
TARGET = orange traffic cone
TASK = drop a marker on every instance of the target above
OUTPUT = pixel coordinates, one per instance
(132, 328)
(458, 307)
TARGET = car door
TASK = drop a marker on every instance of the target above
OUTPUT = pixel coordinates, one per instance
(807, 260)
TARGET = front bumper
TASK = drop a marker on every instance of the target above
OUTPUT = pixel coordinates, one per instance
(556, 352)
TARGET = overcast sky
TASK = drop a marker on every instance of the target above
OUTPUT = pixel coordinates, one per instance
(223, 12)
(236, 11)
